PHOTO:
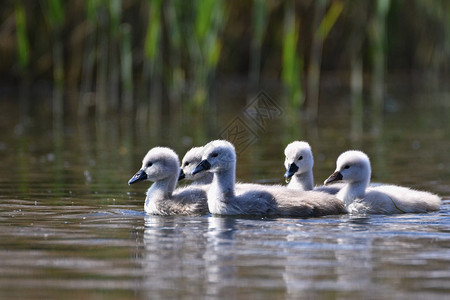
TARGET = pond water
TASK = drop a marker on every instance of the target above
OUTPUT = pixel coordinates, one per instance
(71, 227)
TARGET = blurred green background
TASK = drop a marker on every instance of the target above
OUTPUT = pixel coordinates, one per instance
(130, 56)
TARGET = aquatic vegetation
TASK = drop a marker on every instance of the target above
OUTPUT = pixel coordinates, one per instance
(154, 56)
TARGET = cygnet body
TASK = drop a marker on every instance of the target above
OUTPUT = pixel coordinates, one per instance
(190, 160)
(161, 165)
(219, 157)
(299, 165)
(353, 167)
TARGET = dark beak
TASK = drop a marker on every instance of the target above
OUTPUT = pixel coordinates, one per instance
(181, 176)
(139, 176)
(291, 171)
(336, 176)
(202, 166)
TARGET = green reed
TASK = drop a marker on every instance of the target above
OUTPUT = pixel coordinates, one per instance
(23, 45)
(53, 11)
(292, 61)
(153, 56)
(204, 45)
(126, 67)
(377, 38)
(260, 12)
(324, 20)
(88, 57)
(175, 73)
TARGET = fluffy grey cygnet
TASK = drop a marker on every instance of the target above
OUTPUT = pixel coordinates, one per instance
(219, 157)
(353, 168)
(190, 160)
(162, 166)
(299, 165)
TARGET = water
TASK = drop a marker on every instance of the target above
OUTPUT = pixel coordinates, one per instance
(71, 227)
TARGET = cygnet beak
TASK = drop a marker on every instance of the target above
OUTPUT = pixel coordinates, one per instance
(139, 176)
(336, 176)
(181, 176)
(291, 171)
(202, 166)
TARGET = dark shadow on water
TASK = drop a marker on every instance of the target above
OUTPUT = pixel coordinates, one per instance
(359, 220)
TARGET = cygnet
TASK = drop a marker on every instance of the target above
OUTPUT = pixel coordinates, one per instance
(162, 166)
(299, 164)
(353, 168)
(190, 160)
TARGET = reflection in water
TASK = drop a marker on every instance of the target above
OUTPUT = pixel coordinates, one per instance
(319, 263)
(181, 256)
(357, 118)
(360, 257)
(297, 276)
(58, 142)
(354, 257)
(172, 262)
(219, 257)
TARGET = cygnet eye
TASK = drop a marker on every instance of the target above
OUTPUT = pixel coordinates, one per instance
(214, 154)
(346, 167)
(300, 157)
(149, 164)
(186, 164)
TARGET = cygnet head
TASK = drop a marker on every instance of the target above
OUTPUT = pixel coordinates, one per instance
(218, 155)
(351, 166)
(299, 158)
(190, 160)
(158, 164)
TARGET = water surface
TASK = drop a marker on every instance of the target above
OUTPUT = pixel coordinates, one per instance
(71, 227)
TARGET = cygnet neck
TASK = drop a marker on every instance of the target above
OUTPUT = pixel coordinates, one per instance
(162, 189)
(223, 183)
(205, 179)
(304, 180)
(352, 191)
